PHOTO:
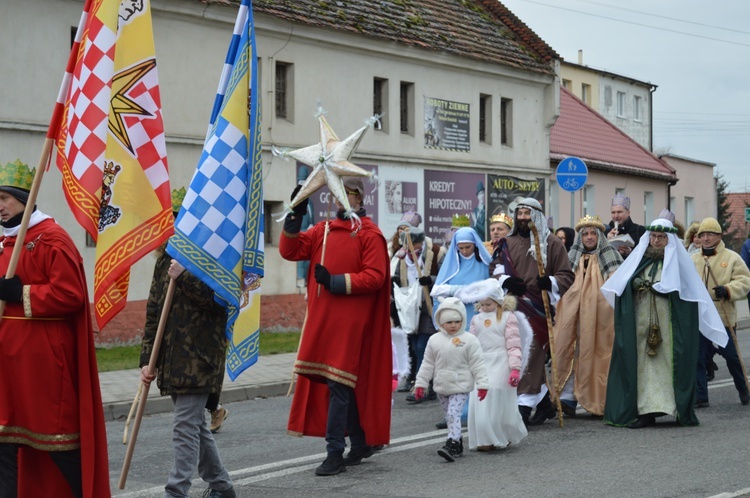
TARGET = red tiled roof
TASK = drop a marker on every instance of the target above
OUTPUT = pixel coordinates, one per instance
(483, 30)
(582, 132)
(737, 203)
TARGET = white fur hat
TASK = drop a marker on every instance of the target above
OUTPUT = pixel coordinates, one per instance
(450, 309)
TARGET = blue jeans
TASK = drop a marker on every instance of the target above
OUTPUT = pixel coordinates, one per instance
(733, 365)
(419, 345)
(343, 417)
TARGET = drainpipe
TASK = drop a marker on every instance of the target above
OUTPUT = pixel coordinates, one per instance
(651, 118)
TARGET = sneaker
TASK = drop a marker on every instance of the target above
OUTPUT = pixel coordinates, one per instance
(568, 408)
(215, 493)
(331, 466)
(441, 425)
(413, 399)
(451, 450)
(643, 421)
(356, 455)
(217, 418)
(702, 404)
(745, 398)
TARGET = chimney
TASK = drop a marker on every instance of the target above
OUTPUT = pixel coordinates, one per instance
(580, 57)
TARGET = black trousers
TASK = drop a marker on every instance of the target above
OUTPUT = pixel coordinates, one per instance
(69, 463)
(343, 418)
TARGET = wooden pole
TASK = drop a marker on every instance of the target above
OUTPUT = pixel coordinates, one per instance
(131, 412)
(545, 299)
(33, 193)
(145, 387)
(732, 334)
(425, 288)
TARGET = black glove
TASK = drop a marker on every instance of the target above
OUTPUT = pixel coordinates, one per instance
(11, 289)
(322, 276)
(544, 283)
(301, 208)
(721, 292)
(515, 286)
(425, 280)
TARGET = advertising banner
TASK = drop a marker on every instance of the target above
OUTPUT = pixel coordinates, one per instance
(400, 191)
(504, 192)
(446, 125)
(448, 193)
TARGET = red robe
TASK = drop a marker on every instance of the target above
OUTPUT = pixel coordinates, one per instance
(346, 338)
(49, 388)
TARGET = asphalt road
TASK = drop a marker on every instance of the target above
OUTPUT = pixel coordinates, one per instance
(585, 458)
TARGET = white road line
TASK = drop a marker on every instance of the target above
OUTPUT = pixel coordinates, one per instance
(740, 492)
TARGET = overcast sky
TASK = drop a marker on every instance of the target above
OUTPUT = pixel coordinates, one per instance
(696, 52)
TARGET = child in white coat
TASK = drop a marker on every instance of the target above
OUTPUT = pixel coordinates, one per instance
(496, 423)
(453, 361)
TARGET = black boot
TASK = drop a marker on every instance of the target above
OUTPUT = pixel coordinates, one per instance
(332, 465)
(525, 414)
(544, 411)
(451, 450)
(642, 421)
(356, 455)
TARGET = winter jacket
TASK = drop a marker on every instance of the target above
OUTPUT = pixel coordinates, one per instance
(193, 350)
(730, 271)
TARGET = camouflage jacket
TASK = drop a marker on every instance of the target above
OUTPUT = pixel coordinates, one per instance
(193, 350)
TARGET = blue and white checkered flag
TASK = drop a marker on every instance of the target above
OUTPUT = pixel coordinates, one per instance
(219, 230)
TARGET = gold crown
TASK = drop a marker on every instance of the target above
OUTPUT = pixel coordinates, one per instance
(502, 218)
(460, 221)
(178, 195)
(17, 174)
(590, 221)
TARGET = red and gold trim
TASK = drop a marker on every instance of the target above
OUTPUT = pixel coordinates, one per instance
(44, 442)
(325, 371)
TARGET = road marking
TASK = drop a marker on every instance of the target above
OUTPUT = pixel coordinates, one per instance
(741, 492)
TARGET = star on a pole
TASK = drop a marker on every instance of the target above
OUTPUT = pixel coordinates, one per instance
(121, 104)
(329, 160)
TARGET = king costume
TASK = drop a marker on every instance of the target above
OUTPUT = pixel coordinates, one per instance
(659, 294)
(53, 403)
(584, 327)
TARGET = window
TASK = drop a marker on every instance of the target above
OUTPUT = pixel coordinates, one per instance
(620, 191)
(380, 102)
(586, 93)
(620, 104)
(284, 95)
(506, 122)
(485, 122)
(90, 242)
(588, 200)
(608, 96)
(689, 210)
(648, 207)
(567, 84)
(406, 107)
(73, 31)
(270, 227)
(637, 108)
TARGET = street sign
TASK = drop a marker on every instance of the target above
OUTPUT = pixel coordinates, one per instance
(747, 215)
(572, 174)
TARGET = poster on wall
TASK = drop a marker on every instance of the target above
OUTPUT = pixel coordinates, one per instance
(399, 192)
(504, 192)
(446, 125)
(448, 193)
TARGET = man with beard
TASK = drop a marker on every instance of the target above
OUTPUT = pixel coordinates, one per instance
(621, 224)
(660, 307)
(344, 358)
(584, 326)
(515, 265)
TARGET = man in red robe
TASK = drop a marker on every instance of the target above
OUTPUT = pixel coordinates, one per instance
(344, 358)
(53, 440)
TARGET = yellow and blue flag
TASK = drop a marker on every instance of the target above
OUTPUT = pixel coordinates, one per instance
(219, 230)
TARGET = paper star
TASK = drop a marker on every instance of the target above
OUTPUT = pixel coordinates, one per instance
(329, 160)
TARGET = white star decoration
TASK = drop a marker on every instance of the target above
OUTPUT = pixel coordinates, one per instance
(329, 161)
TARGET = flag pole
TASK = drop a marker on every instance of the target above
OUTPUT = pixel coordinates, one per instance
(33, 193)
(145, 387)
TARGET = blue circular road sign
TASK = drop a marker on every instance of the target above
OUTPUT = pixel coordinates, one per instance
(572, 174)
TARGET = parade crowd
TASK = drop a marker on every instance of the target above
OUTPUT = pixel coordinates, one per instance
(620, 319)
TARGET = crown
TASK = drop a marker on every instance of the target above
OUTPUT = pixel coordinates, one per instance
(178, 195)
(502, 218)
(17, 174)
(460, 221)
(590, 221)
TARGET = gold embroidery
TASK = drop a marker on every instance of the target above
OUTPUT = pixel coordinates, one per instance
(53, 319)
(348, 278)
(27, 301)
(327, 368)
(44, 442)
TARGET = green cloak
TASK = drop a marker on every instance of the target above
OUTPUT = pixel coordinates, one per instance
(621, 406)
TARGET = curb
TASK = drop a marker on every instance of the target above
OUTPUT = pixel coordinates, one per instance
(119, 410)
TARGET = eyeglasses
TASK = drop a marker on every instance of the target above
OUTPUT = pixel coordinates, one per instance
(657, 236)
